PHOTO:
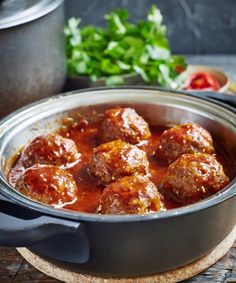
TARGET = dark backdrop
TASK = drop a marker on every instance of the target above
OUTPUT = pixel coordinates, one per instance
(194, 26)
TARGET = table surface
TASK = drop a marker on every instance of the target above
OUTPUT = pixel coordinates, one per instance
(13, 268)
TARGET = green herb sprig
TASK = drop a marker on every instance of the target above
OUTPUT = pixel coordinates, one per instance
(123, 48)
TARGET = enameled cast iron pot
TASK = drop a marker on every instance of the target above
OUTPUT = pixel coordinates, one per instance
(117, 245)
(32, 51)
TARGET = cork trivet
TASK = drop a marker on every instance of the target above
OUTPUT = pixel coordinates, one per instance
(190, 270)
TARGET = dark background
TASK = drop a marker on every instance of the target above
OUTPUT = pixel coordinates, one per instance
(194, 26)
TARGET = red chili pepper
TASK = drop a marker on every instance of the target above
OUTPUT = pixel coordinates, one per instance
(203, 81)
(180, 69)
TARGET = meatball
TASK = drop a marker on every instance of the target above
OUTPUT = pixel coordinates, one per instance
(50, 149)
(124, 124)
(48, 184)
(117, 159)
(187, 138)
(130, 195)
(193, 177)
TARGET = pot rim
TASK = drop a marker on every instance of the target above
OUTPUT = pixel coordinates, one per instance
(8, 191)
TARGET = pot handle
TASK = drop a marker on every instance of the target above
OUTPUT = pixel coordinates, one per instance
(227, 99)
(47, 234)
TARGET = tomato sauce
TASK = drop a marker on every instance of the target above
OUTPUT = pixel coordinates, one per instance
(89, 190)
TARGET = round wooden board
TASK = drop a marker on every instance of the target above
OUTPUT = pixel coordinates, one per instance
(190, 270)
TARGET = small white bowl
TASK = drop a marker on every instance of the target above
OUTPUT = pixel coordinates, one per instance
(219, 75)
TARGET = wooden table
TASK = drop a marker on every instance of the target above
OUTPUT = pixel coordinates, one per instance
(13, 268)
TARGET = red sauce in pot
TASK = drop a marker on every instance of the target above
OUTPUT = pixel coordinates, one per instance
(89, 190)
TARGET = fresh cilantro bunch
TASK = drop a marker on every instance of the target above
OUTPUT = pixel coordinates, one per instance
(123, 48)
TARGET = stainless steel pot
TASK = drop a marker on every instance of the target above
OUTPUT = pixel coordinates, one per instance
(32, 59)
(129, 245)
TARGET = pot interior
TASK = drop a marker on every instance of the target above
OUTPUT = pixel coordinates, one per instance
(157, 107)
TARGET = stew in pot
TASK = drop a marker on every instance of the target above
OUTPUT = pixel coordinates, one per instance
(118, 164)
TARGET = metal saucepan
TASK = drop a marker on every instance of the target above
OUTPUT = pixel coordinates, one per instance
(129, 245)
(32, 51)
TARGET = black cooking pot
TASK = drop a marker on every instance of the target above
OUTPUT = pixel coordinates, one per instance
(130, 245)
(32, 56)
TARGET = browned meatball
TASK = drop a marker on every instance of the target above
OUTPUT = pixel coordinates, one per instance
(50, 149)
(187, 138)
(48, 184)
(124, 124)
(114, 160)
(130, 195)
(193, 177)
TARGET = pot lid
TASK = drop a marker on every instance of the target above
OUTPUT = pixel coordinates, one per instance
(16, 12)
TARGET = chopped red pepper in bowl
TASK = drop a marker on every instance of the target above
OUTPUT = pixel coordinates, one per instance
(202, 81)
(205, 78)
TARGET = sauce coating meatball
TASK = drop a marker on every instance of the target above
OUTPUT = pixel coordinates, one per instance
(124, 124)
(50, 149)
(187, 138)
(130, 195)
(48, 184)
(114, 160)
(193, 177)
